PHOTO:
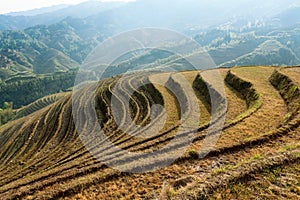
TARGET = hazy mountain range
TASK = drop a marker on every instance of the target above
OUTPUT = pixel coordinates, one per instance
(177, 13)
(233, 32)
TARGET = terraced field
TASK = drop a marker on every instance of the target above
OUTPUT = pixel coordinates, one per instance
(38, 105)
(257, 154)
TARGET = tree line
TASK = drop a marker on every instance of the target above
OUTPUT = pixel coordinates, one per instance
(23, 92)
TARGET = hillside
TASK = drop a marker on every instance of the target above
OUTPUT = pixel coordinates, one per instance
(54, 14)
(23, 89)
(58, 39)
(64, 46)
(193, 14)
(44, 49)
(269, 53)
(43, 155)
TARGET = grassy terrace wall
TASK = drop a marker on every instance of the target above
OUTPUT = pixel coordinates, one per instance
(247, 91)
(245, 88)
(152, 95)
(208, 91)
(289, 90)
(177, 89)
(38, 105)
(152, 91)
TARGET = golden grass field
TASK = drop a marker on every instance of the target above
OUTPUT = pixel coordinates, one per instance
(256, 157)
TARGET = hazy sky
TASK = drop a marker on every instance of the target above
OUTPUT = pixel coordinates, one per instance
(22, 5)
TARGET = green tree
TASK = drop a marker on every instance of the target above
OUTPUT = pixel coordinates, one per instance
(6, 114)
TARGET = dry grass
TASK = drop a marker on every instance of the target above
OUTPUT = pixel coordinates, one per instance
(265, 119)
(172, 109)
(280, 182)
(47, 160)
(293, 73)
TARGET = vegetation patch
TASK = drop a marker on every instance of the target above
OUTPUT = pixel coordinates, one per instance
(289, 90)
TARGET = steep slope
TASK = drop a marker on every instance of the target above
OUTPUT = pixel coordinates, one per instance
(269, 53)
(53, 61)
(23, 89)
(46, 49)
(272, 175)
(42, 156)
(38, 105)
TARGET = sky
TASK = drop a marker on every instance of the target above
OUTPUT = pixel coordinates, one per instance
(23, 5)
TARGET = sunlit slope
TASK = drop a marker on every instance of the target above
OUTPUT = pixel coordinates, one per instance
(42, 156)
(38, 105)
(273, 170)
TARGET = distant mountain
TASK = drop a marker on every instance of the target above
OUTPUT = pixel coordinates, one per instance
(38, 11)
(288, 17)
(257, 10)
(45, 49)
(173, 14)
(13, 22)
(176, 14)
(269, 53)
(74, 31)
